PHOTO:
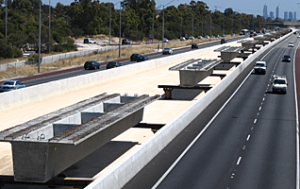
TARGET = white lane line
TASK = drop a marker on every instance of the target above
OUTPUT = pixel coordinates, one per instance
(263, 99)
(259, 109)
(257, 114)
(252, 128)
(248, 137)
(244, 147)
(239, 160)
(204, 129)
(255, 121)
(199, 135)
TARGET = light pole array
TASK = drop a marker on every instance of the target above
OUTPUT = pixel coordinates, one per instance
(39, 57)
(6, 20)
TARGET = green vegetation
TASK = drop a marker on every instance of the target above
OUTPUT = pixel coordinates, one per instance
(87, 17)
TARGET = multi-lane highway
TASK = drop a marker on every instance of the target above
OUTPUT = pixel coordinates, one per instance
(248, 141)
(43, 78)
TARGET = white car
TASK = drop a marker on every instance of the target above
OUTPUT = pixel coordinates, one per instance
(166, 40)
(200, 37)
(11, 85)
(291, 44)
(260, 67)
(279, 84)
(191, 37)
(182, 39)
(298, 36)
(167, 51)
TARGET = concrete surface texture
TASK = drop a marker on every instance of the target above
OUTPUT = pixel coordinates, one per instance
(143, 82)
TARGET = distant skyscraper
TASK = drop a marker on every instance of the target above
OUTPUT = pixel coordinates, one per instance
(291, 15)
(265, 11)
(285, 15)
(277, 12)
(272, 15)
(295, 19)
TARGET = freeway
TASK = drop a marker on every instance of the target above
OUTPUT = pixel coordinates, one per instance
(251, 142)
(43, 78)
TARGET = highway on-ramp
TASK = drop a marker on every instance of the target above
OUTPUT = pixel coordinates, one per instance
(250, 143)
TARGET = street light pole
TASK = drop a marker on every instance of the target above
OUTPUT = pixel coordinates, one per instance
(193, 24)
(120, 32)
(181, 25)
(109, 23)
(39, 57)
(49, 25)
(6, 20)
(153, 25)
(163, 27)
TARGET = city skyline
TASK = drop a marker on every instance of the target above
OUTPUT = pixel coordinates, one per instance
(249, 7)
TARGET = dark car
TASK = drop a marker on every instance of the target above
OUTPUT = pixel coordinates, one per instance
(195, 46)
(134, 56)
(286, 58)
(11, 85)
(223, 41)
(141, 58)
(113, 64)
(125, 42)
(91, 65)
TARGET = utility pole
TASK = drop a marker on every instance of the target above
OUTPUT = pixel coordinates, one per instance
(49, 26)
(153, 24)
(6, 21)
(120, 31)
(109, 23)
(39, 57)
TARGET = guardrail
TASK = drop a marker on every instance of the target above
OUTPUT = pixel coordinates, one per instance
(128, 167)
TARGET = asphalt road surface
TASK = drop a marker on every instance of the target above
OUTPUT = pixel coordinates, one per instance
(250, 143)
(44, 78)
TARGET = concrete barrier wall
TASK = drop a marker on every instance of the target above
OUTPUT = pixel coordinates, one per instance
(40, 92)
(128, 167)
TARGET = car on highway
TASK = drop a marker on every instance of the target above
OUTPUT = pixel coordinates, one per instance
(125, 42)
(142, 58)
(207, 37)
(113, 64)
(195, 46)
(134, 56)
(91, 65)
(286, 58)
(191, 37)
(89, 40)
(260, 67)
(298, 36)
(166, 40)
(223, 35)
(200, 37)
(279, 84)
(182, 39)
(223, 41)
(10, 85)
(291, 44)
(211, 36)
(233, 34)
(167, 51)
(217, 36)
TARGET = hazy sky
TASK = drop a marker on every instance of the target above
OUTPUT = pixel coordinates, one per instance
(245, 6)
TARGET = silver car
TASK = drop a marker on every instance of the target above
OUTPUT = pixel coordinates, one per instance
(167, 51)
(11, 85)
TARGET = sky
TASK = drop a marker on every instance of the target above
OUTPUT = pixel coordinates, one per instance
(254, 7)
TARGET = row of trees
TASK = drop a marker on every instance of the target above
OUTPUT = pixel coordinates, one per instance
(87, 17)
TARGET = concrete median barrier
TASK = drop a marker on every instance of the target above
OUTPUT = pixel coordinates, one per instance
(128, 167)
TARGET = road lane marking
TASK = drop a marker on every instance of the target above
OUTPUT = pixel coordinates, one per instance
(255, 121)
(248, 137)
(239, 160)
(259, 109)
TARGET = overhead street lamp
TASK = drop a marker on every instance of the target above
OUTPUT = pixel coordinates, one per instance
(6, 20)
(163, 23)
(49, 25)
(39, 57)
